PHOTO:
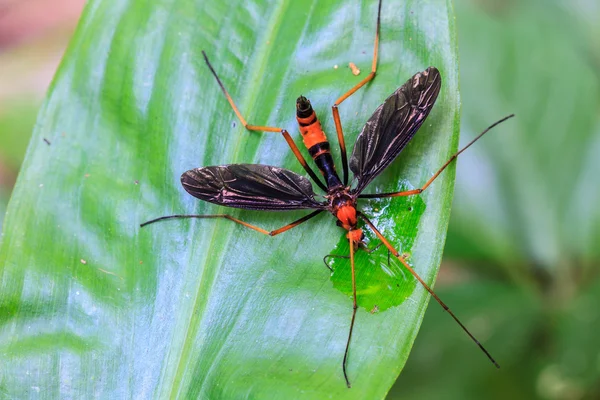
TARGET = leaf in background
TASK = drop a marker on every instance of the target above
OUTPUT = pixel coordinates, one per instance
(16, 122)
(504, 318)
(17, 118)
(526, 222)
(93, 306)
(531, 189)
(3, 203)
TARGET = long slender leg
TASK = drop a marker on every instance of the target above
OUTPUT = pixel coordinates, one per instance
(354, 307)
(334, 108)
(261, 128)
(341, 141)
(368, 250)
(426, 185)
(238, 221)
(373, 64)
(328, 256)
(417, 277)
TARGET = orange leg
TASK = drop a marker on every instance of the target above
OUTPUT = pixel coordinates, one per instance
(373, 64)
(430, 181)
(417, 277)
(261, 128)
(237, 221)
(334, 108)
(354, 308)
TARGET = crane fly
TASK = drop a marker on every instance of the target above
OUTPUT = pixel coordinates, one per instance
(385, 134)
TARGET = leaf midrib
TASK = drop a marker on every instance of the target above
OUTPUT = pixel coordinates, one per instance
(199, 302)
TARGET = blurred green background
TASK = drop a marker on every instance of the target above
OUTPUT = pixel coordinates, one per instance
(522, 255)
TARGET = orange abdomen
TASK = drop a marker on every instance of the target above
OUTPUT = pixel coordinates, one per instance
(315, 141)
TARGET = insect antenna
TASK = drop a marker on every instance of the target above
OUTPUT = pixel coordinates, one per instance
(413, 272)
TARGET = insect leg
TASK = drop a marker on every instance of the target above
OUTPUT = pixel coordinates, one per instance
(368, 250)
(295, 223)
(417, 277)
(238, 221)
(373, 64)
(328, 256)
(283, 132)
(430, 181)
(354, 307)
(334, 108)
(341, 141)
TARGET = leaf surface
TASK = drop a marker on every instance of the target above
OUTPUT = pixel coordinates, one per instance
(94, 306)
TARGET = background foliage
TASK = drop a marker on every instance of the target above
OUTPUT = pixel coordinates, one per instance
(521, 258)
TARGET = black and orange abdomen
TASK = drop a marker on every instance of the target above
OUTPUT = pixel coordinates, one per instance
(315, 141)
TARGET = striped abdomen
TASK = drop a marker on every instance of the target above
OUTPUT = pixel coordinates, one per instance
(315, 141)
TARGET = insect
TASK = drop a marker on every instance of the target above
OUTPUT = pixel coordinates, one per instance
(384, 136)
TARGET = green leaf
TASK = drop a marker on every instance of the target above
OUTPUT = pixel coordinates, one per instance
(94, 306)
(525, 226)
(16, 122)
(528, 190)
(3, 203)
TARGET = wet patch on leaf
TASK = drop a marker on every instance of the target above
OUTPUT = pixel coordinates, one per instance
(381, 280)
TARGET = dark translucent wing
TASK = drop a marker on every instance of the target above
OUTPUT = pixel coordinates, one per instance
(250, 186)
(393, 125)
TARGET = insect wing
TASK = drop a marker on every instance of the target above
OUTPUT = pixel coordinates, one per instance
(393, 125)
(250, 186)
